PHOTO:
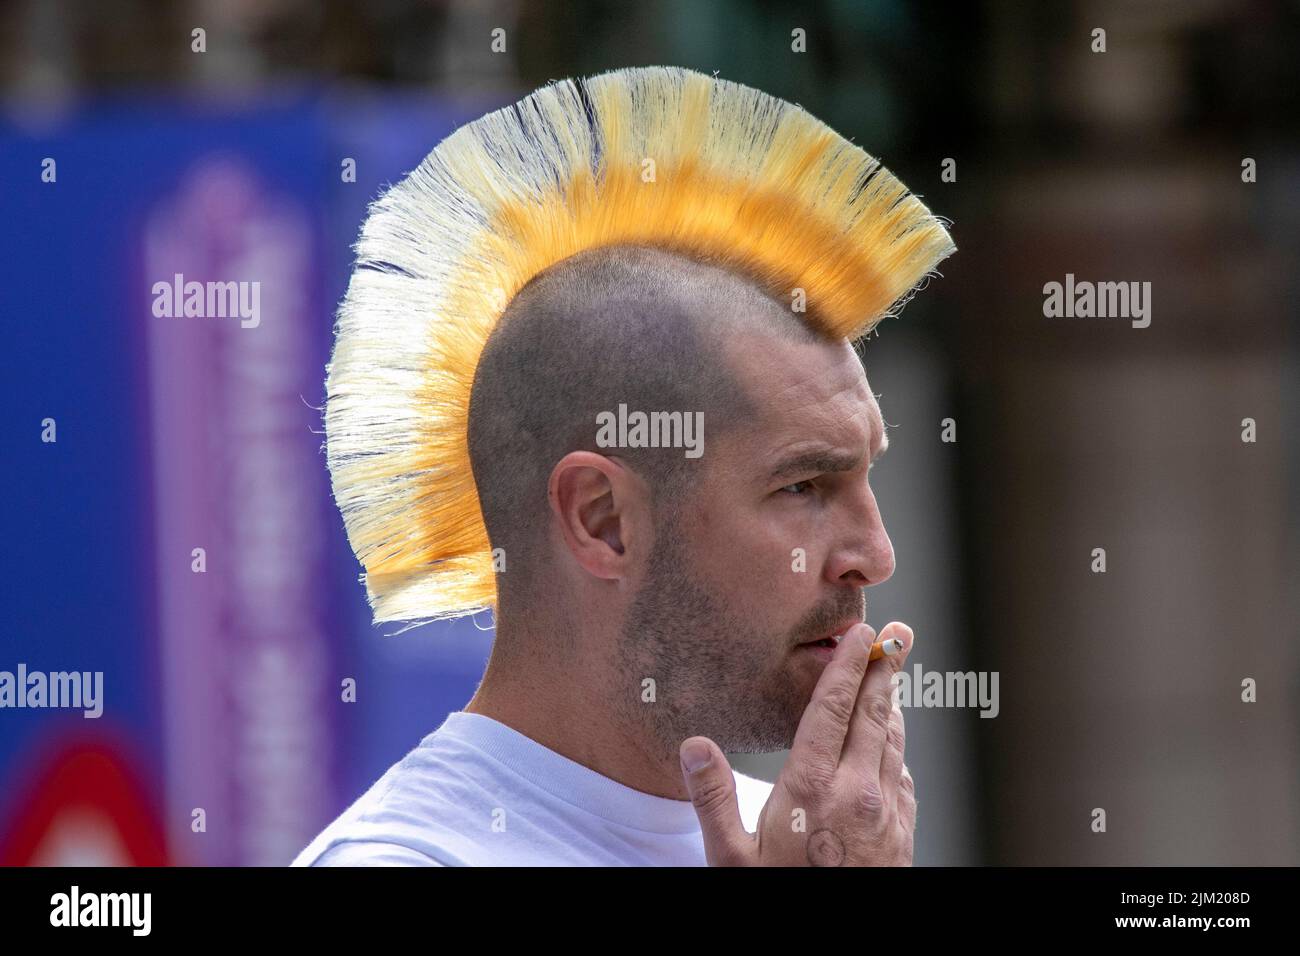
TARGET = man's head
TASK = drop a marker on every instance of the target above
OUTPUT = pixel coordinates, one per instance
(702, 574)
(520, 207)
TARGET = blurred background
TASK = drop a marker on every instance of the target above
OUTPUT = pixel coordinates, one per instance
(127, 155)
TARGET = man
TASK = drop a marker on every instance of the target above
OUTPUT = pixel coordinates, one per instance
(663, 592)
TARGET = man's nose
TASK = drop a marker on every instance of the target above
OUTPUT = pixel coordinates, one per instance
(862, 555)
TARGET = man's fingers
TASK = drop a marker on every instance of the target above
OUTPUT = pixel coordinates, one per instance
(864, 748)
(825, 722)
(907, 800)
(891, 764)
(712, 787)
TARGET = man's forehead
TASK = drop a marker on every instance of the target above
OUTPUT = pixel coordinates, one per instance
(813, 392)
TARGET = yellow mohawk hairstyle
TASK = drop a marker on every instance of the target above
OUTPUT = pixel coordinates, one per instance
(654, 156)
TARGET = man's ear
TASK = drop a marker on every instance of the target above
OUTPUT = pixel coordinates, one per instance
(601, 506)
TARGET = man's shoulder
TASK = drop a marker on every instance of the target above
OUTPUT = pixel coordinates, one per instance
(370, 853)
(428, 807)
(410, 816)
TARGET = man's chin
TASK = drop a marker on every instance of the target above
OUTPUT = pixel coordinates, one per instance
(765, 736)
(763, 745)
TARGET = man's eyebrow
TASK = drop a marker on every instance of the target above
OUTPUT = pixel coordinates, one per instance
(817, 460)
(824, 460)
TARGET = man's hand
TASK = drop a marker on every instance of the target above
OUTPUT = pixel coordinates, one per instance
(844, 797)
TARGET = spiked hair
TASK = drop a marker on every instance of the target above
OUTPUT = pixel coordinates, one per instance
(659, 156)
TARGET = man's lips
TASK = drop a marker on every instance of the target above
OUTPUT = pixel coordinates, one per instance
(832, 638)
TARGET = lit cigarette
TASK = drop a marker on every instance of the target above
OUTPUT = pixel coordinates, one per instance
(885, 648)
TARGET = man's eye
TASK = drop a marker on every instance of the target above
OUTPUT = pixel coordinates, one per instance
(799, 487)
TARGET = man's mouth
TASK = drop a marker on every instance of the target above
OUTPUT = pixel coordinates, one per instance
(824, 642)
(822, 648)
(833, 638)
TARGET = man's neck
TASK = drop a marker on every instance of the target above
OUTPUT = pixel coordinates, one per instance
(557, 708)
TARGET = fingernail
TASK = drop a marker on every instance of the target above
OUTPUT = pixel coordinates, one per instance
(867, 634)
(695, 756)
(898, 633)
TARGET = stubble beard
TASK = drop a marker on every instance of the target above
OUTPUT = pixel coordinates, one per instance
(715, 673)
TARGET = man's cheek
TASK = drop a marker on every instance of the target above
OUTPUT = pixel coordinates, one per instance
(757, 551)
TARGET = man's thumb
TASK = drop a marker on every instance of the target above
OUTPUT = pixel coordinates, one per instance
(712, 787)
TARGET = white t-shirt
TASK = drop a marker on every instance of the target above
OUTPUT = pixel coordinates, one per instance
(476, 792)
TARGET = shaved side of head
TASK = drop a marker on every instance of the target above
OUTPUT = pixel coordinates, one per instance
(631, 325)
